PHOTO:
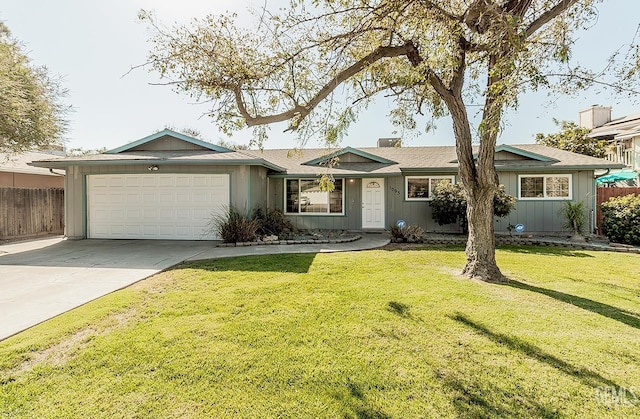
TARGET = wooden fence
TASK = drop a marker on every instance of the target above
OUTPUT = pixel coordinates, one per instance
(26, 213)
(603, 195)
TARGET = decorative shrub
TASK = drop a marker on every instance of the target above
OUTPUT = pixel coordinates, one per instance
(621, 219)
(409, 234)
(234, 226)
(449, 204)
(503, 203)
(574, 216)
(271, 221)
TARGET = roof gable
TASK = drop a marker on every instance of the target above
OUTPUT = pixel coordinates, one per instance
(349, 155)
(168, 140)
(506, 152)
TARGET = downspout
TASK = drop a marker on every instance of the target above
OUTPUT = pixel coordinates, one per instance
(594, 207)
(56, 173)
(604, 174)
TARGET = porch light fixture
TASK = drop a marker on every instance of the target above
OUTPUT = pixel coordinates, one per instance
(152, 168)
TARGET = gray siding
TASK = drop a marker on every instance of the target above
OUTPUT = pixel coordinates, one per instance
(542, 216)
(538, 216)
(250, 187)
(351, 220)
(258, 187)
(75, 187)
(167, 143)
(414, 213)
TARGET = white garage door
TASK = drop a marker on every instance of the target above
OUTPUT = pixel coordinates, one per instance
(154, 206)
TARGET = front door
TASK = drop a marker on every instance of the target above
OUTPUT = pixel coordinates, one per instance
(373, 203)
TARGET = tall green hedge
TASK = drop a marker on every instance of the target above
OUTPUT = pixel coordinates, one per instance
(621, 219)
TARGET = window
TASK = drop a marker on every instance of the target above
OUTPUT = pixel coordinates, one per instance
(303, 196)
(545, 187)
(420, 188)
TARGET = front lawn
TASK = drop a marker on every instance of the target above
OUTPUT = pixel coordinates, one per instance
(375, 334)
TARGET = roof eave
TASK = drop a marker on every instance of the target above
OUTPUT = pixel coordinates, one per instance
(84, 163)
(346, 150)
(171, 133)
(560, 167)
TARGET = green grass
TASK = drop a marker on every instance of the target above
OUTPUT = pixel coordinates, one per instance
(372, 334)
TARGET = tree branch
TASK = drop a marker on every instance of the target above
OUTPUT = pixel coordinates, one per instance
(549, 15)
(299, 112)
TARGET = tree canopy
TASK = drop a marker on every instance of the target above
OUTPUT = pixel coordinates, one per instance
(573, 138)
(31, 113)
(317, 63)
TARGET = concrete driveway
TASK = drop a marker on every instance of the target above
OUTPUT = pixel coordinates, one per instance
(41, 279)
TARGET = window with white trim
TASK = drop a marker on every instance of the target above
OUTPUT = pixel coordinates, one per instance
(303, 196)
(545, 187)
(420, 188)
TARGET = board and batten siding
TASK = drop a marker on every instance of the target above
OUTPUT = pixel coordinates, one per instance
(543, 216)
(412, 212)
(242, 181)
(538, 216)
(396, 208)
(351, 220)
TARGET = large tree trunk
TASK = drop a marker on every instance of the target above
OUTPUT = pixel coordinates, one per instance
(481, 244)
(480, 183)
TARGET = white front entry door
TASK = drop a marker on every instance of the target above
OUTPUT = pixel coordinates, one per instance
(373, 203)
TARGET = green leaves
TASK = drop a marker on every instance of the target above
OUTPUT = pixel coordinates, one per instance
(621, 219)
(31, 113)
(573, 138)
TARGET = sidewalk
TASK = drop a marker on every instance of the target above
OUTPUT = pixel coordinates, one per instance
(365, 242)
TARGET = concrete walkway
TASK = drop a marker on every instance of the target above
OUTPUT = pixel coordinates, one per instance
(41, 279)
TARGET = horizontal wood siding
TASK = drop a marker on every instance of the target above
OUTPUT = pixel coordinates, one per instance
(29, 212)
(29, 180)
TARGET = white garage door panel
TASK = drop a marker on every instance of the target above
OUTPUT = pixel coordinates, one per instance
(154, 206)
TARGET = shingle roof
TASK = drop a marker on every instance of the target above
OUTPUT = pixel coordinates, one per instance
(436, 158)
(19, 163)
(393, 160)
(204, 157)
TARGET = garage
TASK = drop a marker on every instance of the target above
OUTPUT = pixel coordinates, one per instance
(155, 206)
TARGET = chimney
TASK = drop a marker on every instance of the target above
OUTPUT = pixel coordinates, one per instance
(594, 117)
(389, 142)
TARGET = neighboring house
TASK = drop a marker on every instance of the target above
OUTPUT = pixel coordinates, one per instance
(168, 185)
(623, 134)
(15, 172)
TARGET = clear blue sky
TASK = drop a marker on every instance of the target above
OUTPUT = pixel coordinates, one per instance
(92, 44)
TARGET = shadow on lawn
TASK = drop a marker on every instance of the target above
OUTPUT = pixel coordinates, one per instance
(615, 313)
(588, 377)
(355, 402)
(298, 263)
(546, 251)
(477, 398)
